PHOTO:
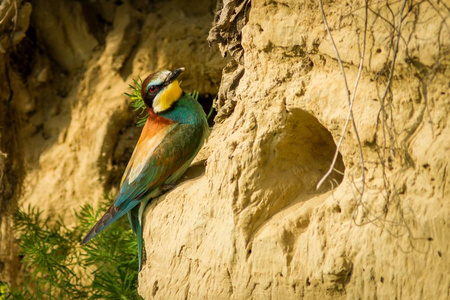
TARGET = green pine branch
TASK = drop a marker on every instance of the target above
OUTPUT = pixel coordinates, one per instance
(56, 266)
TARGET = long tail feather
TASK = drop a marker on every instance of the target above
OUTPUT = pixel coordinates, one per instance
(140, 244)
(133, 217)
(112, 214)
(136, 226)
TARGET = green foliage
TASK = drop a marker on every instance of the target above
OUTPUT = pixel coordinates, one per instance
(56, 266)
(210, 113)
(3, 291)
(137, 103)
(194, 95)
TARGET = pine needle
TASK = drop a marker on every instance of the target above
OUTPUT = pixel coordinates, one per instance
(55, 265)
(137, 103)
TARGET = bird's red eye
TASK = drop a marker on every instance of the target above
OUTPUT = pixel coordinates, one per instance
(152, 88)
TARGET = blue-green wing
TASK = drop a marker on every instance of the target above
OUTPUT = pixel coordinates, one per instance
(177, 147)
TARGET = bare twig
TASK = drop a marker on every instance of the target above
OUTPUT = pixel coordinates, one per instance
(350, 98)
(440, 15)
(6, 15)
(394, 58)
(393, 217)
(15, 16)
(382, 112)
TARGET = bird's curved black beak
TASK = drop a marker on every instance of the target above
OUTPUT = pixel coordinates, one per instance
(173, 75)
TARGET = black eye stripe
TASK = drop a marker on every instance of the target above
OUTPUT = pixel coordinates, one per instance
(154, 88)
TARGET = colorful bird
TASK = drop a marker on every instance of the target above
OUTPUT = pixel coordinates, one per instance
(172, 136)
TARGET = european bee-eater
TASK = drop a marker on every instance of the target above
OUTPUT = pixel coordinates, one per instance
(172, 136)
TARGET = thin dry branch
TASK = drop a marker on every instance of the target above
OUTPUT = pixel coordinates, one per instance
(394, 58)
(387, 89)
(6, 15)
(440, 15)
(401, 223)
(350, 98)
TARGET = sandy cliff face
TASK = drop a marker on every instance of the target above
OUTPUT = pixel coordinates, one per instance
(248, 220)
(254, 226)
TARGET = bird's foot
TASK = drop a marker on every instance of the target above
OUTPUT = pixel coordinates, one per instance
(167, 187)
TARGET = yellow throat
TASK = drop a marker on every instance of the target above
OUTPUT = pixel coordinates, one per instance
(167, 97)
